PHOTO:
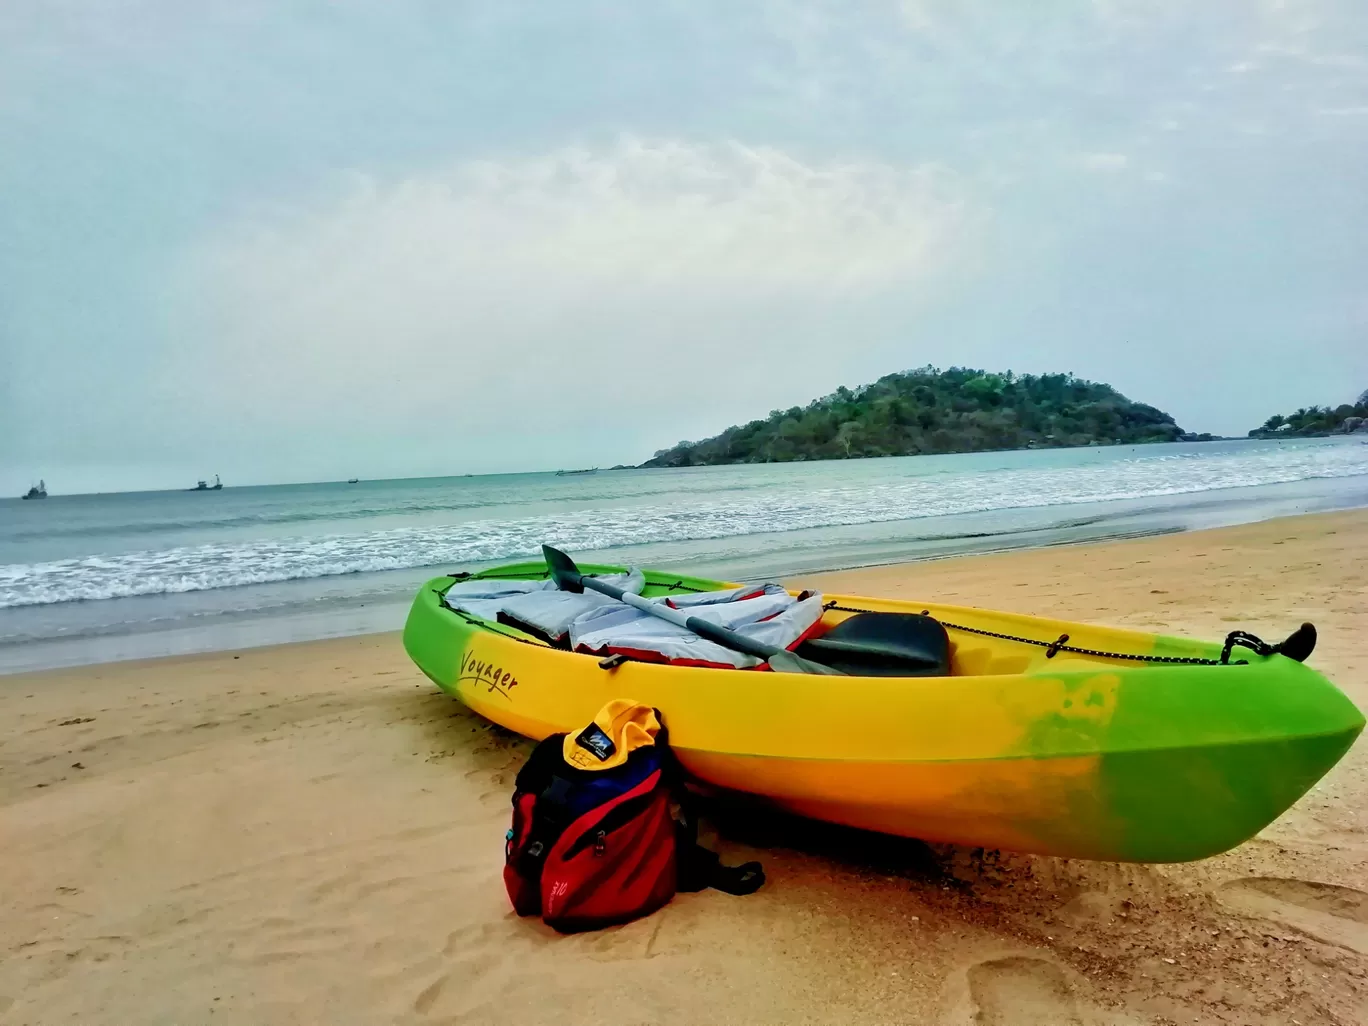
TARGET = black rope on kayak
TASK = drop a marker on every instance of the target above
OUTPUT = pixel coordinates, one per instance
(475, 621)
(1248, 640)
(465, 575)
(681, 586)
(1306, 635)
(486, 575)
(1052, 648)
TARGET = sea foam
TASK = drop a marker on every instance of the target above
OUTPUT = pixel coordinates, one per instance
(735, 511)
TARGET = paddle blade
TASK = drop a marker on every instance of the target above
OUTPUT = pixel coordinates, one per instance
(563, 570)
(787, 662)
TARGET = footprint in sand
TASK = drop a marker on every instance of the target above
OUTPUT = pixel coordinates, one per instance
(1335, 915)
(428, 996)
(1021, 991)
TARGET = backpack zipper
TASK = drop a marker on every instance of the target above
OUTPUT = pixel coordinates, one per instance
(616, 817)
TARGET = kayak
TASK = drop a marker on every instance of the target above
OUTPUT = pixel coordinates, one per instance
(1046, 736)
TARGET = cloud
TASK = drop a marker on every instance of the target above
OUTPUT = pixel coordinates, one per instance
(944, 180)
(1104, 161)
(646, 274)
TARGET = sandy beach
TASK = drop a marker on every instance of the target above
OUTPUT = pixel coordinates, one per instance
(313, 834)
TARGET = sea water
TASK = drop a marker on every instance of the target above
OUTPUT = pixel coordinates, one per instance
(94, 577)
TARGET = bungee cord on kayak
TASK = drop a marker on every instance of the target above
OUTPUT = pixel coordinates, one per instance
(966, 726)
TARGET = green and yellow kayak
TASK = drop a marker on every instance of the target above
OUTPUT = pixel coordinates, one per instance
(1108, 747)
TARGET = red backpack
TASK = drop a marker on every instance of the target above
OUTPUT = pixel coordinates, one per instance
(590, 848)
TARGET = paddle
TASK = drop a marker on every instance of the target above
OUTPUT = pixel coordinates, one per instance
(568, 578)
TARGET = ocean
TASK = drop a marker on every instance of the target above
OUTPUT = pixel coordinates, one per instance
(90, 578)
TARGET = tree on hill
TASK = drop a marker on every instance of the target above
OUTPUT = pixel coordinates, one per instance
(1316, 421)
(933, 411)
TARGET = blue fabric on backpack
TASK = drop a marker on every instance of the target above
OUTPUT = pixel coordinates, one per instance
(589, 789)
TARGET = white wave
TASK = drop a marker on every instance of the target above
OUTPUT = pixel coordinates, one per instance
(715, 515)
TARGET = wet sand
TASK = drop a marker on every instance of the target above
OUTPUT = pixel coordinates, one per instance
(312, 833)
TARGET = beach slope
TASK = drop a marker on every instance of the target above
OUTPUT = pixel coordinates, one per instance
(312, 833)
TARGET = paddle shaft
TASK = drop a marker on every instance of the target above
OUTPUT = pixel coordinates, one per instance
(713, 632)
(568, 578)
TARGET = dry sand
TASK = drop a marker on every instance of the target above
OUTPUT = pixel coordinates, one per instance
(313, 834)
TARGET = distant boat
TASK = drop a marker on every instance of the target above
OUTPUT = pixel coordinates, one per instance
(353, 480)
(204, 486)
(567, 473)
(39, 491)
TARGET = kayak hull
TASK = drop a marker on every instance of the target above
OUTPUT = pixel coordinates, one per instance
(1070, 755)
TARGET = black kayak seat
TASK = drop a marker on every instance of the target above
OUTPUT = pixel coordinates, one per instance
(883, 645)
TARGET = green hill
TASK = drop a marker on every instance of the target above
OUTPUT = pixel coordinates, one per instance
(934, 411)
(1317, 421)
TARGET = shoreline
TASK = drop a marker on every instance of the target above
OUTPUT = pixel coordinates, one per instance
(312, 833)
(250, 616)
(174, 490)
(882, 573)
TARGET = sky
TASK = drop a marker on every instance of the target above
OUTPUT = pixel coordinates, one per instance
(289, 241)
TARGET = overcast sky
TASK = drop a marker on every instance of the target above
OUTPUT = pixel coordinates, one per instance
(289, 241)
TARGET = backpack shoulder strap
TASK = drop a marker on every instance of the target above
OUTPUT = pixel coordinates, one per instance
(698, 867)
(540, 766)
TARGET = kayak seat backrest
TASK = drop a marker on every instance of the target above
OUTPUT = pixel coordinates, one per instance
(883, 645)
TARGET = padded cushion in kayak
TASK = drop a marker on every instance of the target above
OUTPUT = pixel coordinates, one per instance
(883, 645)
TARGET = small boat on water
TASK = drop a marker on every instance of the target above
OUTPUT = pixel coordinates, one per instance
(205, 486)
(38, 491)
(353, 480)
(1033, 734)
(572, 473)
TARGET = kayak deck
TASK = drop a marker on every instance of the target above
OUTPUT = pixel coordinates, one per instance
(1055, 751)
